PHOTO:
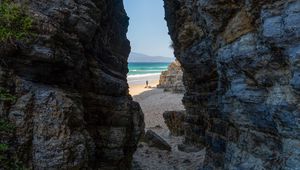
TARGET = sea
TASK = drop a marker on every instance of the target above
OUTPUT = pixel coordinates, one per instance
(144, 71)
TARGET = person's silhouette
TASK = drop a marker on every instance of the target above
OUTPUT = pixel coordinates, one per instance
(147, 83)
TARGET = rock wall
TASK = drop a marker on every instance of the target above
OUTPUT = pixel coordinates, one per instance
(171, 80)
(72, 108)
(175, 122)
(241, 71)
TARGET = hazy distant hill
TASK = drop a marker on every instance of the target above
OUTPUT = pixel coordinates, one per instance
(142, 58)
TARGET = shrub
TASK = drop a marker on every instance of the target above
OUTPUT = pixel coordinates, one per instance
(8, 159)
(5, 96)
(6, 126)
(3, 147)
(15, 22)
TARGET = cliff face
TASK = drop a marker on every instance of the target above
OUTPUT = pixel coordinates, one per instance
(72, 108)
(171, 80)
(241, 71)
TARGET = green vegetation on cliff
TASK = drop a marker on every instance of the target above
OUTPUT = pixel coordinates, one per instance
(15, 25)
(15, 22)
(8, 159)
(5, 95)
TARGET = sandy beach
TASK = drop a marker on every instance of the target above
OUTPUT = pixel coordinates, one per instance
(137, 84)
(154, 102)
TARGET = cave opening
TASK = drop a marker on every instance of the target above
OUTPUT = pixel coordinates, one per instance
(156, 83)
(65, 103)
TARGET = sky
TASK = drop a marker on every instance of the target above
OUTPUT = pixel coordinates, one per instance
(148, 32)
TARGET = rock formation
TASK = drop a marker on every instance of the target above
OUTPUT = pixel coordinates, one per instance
(241, 71)
(154, 140)
(72, 107)
(175, 122)
(171, 80)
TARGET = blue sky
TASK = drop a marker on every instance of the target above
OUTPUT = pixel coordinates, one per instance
(148, 32)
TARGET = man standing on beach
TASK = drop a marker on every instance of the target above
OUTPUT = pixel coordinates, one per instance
(147, 84)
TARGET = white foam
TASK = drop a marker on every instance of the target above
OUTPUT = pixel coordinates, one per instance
(143, 75)
(145, 70)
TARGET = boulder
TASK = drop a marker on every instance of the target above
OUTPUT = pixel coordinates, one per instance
(175, 120)
(171, 80)
(154, 140)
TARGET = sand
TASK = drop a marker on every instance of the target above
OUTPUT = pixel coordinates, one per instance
(154, 102)
(137, 84)
(136, 89)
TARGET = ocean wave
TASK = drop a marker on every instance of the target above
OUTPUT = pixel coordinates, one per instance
(143, 75)
(145, 70)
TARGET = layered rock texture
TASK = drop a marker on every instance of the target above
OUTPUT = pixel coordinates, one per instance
(175, 122)
(171, 80)
(241, 71)
(72, 108)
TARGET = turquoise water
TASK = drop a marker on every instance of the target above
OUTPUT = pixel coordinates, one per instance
(146, 69)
